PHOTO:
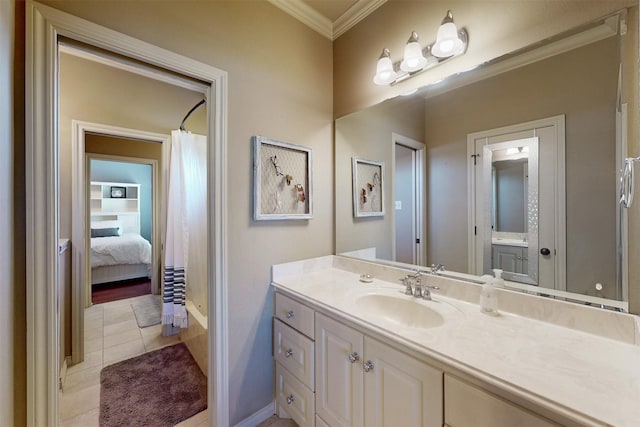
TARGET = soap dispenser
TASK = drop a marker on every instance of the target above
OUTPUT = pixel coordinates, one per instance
(498, 282)
(488, 296)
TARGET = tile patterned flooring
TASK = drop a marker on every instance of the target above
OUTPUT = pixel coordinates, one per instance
(111, 335)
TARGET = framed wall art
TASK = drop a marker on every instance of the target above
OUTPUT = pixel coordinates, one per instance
(368, 195)
(118, 192)
(282, 187)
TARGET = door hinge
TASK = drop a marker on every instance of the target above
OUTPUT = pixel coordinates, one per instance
(417, 241)
(475, 230)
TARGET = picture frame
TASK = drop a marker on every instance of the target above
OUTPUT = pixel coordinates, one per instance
(118, 192)
(368, 191)
(282, 185)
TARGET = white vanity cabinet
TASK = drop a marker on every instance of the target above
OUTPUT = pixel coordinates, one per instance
(329, 374)
(363, 382)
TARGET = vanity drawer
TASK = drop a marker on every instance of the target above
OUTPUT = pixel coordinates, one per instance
(295, 398)
(294, 351)
(295, 314)
(467, 405)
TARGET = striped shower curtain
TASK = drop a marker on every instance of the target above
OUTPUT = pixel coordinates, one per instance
(186, 215)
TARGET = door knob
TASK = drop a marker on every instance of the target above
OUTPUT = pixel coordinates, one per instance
(545, 251)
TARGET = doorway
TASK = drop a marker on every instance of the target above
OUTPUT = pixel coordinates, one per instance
(44, 28)
(122, 260)
(408, 198)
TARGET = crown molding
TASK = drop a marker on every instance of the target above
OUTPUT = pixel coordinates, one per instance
(323, 25)
(356, 13)
(307, 15)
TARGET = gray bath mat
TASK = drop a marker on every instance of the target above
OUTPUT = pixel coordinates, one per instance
(160, 388)
(148, 311)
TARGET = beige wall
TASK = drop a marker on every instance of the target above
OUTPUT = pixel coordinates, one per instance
(495, 28)
(97, 93)
(368, 134)
(280, 86)
(547, 88)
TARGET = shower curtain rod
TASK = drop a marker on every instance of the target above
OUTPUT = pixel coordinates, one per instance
(195, 107)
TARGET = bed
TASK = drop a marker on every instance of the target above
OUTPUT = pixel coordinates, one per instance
(117, 256)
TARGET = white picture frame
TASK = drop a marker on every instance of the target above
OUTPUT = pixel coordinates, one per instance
(282, 186)
(368, 190)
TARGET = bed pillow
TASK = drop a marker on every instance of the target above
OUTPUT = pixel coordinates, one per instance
(99, 225)
(105, 232)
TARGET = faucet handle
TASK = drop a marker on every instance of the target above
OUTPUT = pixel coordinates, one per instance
(406, 281)
(426, 293)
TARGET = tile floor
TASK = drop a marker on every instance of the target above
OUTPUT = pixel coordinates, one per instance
(111, 335)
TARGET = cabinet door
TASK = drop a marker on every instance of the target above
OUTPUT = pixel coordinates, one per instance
(338, 378)
(400, 390)
(469, 406)
(507, 258)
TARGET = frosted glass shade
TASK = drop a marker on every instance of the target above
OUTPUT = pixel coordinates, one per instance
(413, 58)
(385, 73)
(447, 42)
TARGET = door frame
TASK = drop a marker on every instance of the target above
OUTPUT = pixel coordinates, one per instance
(44, 25)
(558, 124)
(420, 218)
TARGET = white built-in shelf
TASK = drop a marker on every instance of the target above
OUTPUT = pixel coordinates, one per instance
(105, 205)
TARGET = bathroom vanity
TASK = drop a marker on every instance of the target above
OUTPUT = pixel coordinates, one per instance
(351, 353)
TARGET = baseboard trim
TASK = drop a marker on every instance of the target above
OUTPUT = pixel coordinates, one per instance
(259, 416)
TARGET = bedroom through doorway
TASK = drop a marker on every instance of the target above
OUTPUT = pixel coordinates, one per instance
(121, 217)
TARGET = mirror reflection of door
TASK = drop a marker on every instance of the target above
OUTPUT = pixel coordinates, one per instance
(521, 232)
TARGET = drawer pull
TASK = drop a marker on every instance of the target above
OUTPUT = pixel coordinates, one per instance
(288, 353)
(354, 357)
(290, 399)
(368, 366)
(291, 314)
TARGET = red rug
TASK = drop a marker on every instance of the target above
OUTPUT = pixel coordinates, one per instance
(106, 292)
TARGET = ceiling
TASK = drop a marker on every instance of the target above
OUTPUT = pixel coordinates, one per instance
(331, 18)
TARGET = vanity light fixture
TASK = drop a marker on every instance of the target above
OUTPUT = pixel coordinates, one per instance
(449, 43)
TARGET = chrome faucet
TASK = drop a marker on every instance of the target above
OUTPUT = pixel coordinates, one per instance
(435, 269)
(414, 286)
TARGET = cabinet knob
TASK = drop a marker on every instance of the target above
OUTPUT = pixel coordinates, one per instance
(545, 251)
(290, 399)
(288, 353)
(354, 357)
(291, 314)
(368, 366)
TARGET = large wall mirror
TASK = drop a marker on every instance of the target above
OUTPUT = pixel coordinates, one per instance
(559, 109)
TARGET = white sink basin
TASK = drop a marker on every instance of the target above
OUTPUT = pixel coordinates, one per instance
(404, 311)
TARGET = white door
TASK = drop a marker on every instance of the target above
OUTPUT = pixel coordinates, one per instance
(400, 390)
(404, 184)
(338, 373)
(551, 255)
